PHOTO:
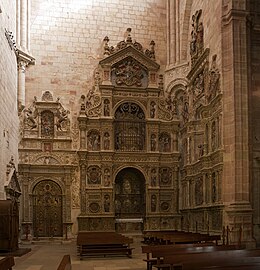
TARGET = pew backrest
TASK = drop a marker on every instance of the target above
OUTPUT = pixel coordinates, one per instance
(65, 263)
(7, 263)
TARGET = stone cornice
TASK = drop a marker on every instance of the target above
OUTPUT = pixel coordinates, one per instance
(24, 57)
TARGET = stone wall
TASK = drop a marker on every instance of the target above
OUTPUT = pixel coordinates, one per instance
(8, 96)
(67, 41)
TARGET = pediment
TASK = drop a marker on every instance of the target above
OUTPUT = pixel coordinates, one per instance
(130, 52)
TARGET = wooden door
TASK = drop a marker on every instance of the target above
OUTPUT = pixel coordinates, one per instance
(47, 209)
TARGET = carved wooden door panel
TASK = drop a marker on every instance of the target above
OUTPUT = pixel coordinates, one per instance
(47, 209)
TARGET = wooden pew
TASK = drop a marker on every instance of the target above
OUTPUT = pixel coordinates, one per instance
(103, 243)
(65, 263)
(217, 258)
(7, 263)
(170, 237)
(162, 253)
(150, 248)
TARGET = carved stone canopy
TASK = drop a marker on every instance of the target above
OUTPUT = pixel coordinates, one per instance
(12, 186)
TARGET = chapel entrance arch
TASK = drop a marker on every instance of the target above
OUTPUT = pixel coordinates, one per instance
(47, 209)
(129, 199)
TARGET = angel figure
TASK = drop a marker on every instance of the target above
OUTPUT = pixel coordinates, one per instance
(62, 116)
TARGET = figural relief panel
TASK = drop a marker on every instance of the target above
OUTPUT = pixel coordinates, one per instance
(129, 72)
(94, 175)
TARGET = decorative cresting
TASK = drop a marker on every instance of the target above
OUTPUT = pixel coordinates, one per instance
(47, 209)
(129, 128)
(108, 50)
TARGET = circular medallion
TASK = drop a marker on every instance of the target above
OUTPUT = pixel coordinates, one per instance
(94, 207)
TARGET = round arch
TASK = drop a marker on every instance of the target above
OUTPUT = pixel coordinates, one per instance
(129, 193)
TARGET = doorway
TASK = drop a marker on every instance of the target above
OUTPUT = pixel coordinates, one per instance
(47, 209)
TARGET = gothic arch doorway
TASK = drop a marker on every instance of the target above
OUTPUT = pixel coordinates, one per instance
(130, 194)
(47, 209)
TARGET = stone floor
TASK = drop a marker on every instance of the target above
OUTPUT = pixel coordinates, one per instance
(47, 255)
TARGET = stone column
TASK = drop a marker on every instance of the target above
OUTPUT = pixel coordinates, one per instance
(21, 84)
(236, 175)
(18, 15)
(177, 28)
(23, 46)
(23, 24)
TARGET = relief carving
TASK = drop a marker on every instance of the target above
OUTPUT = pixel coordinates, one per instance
(214, 80)
(153, 203)
(106, 203)
(164, 142)
(165, 176)
(199, 191)
(62, 118)
(75, 192)
(153, 142)
(129, 72)
(154, 177)
(94, 175)
(93, 140)
(109, 50)
(30, 117)
(197, 37)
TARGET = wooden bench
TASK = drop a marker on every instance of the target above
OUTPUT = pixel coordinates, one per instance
(150, 248)
(65, 263)
(160, 254)
(103, 243)
(174, 237)
(206, 259)
(7, 263)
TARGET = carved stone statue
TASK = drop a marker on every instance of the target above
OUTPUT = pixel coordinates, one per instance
(152, 109)
(153, 177)
(153, 203)
(106, 107)
(153, 142)
(106, 203)
(106, 141)
(106, 177)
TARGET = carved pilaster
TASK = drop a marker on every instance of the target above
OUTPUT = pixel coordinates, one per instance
(83, 187)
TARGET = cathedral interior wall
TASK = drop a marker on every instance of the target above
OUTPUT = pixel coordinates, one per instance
(8, 91)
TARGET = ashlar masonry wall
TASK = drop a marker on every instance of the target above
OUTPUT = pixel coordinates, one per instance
(67, 41)
(8, 92)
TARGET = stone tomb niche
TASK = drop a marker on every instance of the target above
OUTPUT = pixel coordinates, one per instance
(129, 200)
